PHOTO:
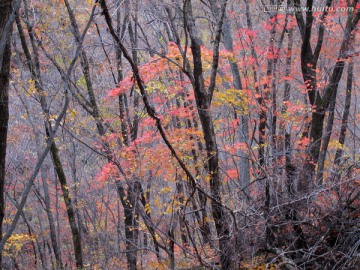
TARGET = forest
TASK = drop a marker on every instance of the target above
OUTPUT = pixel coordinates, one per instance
(179, 134)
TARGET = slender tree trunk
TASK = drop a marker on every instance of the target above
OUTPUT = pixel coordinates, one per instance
(345, 117)
(260, 99)
(270, 82)
(131, 228)
(243, 125)
(53, 237)
(54, 242)
(284, 127)
(69, 205)
(181, 212)
(123, 109)
(180, 192)
(34, 68)
(325, 142)
(203, 102)
(203, 218)
(130, 210)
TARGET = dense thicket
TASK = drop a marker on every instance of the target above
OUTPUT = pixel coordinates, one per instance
(148, 134)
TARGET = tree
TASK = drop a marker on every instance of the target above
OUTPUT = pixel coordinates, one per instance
(321, 103)
(7, 16)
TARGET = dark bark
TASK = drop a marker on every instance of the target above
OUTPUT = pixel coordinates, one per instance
(5, 55)
(134, 44)
(69, 205)
(325, 142)
(286, 144)
(146, 216)
(4, 117)
(120, 31)
(130, 213)
(319, 102)
(345, 116)
(134, 189)
(203, 218)
(203, 102)
(308, 67)
(244, 163)
(181, 211)
(8, 12)
(131, 224)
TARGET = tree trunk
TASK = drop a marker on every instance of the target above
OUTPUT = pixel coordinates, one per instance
(33, 65)
(345, 116)
(69, 205)
(203, 103)
(284, 128)
(54, 241)
(260, 99)
(320, 102)
(5, 10)
(243, 125)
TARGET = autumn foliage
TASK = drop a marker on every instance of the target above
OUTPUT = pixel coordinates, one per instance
(182, 135)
